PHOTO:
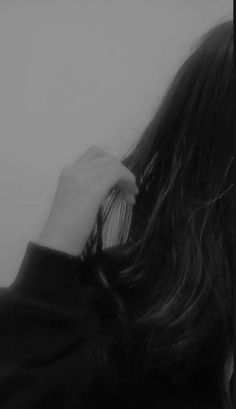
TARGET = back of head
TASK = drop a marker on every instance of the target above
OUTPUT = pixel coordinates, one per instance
(174, 249)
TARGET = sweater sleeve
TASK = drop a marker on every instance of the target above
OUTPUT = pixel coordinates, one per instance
(49, 333)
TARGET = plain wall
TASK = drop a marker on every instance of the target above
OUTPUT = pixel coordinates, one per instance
(73, 74)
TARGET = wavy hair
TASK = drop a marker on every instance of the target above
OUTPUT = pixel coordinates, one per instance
(167, 262)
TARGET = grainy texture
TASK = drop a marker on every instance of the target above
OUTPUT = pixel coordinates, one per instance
(52, 337)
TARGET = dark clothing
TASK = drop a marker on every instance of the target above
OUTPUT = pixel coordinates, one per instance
(52, 338)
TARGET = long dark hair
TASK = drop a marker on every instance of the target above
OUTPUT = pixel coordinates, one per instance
(167, 261)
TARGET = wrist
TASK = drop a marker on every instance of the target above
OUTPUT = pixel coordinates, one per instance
(60, 242)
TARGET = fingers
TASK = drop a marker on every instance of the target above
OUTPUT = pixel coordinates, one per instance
(120, 176)
(111, 172)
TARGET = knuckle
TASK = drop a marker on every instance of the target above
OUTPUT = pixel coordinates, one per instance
(95, 149)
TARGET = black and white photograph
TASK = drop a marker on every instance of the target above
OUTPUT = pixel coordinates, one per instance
(116, 204)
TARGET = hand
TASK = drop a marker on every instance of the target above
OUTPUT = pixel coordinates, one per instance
(80, 192)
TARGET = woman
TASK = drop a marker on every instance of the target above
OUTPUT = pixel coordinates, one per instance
(124, 302)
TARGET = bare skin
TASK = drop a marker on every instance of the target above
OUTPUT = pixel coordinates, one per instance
(81, 190)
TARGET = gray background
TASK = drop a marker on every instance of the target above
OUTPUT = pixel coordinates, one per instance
(76, 73)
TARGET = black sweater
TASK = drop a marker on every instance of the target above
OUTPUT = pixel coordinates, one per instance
(52, 338)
